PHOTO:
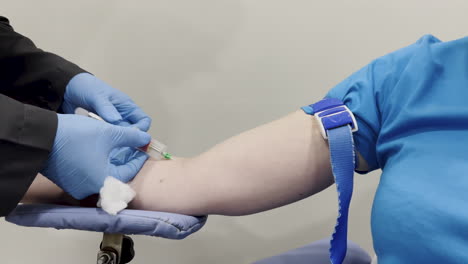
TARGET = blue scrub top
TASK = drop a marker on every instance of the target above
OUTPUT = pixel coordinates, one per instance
(412, 109)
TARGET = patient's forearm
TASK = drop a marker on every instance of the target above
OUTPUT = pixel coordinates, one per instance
(267, 167)
(42, 190)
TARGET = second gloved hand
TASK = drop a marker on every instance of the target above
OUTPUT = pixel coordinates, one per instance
(81, 156)
(86, 91)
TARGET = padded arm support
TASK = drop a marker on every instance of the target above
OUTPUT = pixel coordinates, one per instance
(129, 222)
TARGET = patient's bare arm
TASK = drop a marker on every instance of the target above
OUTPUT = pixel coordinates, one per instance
(264, 168)
(42, 190)
(267, 167)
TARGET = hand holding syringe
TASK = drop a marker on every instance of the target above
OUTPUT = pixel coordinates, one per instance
(154, 149)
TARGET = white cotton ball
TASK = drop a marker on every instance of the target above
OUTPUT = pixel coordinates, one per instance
(115, 195)
(113, 207)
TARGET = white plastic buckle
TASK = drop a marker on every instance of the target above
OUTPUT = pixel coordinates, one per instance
(346, 109)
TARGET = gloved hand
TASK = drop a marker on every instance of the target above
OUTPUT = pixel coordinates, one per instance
(86, 91)
(83, 149)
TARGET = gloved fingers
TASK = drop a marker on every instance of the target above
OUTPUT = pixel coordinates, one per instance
(120, 156)
(130, 137)
(105, 109)
(139, 118)
(144, 124)
(124, 123)
(128, 171)
(142, 127)
(134, 115)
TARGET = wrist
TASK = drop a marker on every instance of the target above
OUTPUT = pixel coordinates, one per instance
(77, 81)
(82, 76)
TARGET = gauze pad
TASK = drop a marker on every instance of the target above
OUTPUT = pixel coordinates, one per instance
(115, 195)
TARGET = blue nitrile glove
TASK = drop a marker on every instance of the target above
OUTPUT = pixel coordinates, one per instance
(122, 156)
(83, 149)
(86, 91)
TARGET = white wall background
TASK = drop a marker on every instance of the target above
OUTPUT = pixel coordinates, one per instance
(208, 69)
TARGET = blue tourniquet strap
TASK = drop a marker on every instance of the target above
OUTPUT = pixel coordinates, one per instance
(340, 141)
(338, 124)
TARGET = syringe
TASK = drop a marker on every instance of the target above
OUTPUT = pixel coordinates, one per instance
(154, 149)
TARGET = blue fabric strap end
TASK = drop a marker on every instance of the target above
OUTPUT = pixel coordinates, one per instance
(327, 103)
(338, 124)
(341, 145)
(308, 109)
(321, 105)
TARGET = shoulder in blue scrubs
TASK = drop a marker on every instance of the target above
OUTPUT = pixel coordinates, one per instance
(412, 110)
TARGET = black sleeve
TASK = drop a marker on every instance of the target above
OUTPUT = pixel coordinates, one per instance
(32, 82)
(27, 134)
(31, 75)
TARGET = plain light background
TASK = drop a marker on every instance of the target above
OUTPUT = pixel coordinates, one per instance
(206, 70)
